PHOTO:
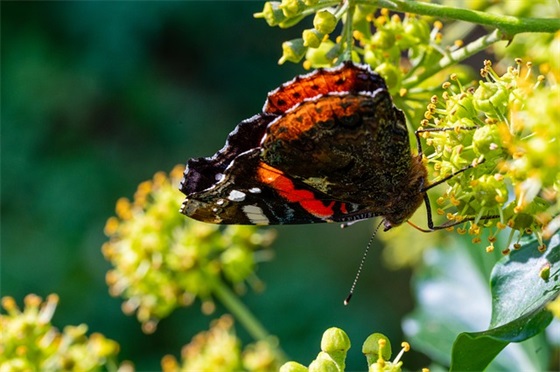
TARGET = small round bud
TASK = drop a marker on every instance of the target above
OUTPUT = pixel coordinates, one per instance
(487, 141)
(391, 74)
(312, 38)
(383, 39)
(317, 57)
(489, 191)
(490, 98)
(271, 13)
(324, 363)
(293, 367)
(292, 51)
(292, 8)
(325, 22)
(335, 340)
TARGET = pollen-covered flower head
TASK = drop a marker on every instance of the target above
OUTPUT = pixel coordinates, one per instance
(507, 128)
(219, 349)
(163, 260)
(29, 342)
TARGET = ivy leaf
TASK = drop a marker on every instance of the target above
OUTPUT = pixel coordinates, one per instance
(517, 287)
(519, 296)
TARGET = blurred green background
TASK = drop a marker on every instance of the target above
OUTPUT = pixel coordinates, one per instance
(97, 97)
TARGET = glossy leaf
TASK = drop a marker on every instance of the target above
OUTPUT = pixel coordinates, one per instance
(453, 296)
(519, 295)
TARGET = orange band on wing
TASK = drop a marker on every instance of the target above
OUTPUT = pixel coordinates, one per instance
(286, 189)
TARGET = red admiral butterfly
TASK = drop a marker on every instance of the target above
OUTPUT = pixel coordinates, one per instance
(329, 146)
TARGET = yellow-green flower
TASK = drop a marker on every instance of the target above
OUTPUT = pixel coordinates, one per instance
(334, 347)
(163, 260)
(507, 128)
(219, 349)
(377, 349)
(29, 342)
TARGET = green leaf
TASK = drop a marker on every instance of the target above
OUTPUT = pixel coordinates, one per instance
(517, 287)
(519, 295)
(453, 296)
(475, 350)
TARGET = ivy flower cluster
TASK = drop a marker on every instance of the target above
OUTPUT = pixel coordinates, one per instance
(163, 260)
(507, 129)
(219, 349)
(393, 37)
(29, 342)
(335, 344)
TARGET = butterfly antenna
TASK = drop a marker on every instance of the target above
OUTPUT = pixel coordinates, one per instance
(368, 246)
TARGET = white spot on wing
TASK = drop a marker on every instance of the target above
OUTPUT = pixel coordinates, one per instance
(236, 196)
(219, 176)
(255, 215)
(254, 190)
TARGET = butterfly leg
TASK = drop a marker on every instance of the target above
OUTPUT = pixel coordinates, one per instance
(431, 226)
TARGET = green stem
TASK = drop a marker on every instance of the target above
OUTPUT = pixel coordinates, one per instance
(347, 8)
(454, 57)
(245, 317)
(509, 25)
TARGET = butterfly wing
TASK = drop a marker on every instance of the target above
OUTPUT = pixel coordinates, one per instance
(254, 193)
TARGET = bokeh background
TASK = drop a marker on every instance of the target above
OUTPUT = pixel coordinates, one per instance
(97, 97)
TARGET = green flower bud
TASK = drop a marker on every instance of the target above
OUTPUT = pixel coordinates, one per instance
(491, 98)
(317, 57)
(292, 8)
(325, 22)
(461, 108)
(293, 367)
(392, 75)
(371, 348)
(312, 38)
(335, 340)
(292, 51)
(335, 343)
(324, 363)
(271, 13)
(371, 57)
(489, 191)
(487, 142)
(383, 39)
(416, 29)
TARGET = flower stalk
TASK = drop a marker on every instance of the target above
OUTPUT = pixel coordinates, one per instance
(508, 25)
(244, 316)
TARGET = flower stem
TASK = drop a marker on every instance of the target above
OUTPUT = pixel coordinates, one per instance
(245, 317)
(347, 37)
(509, 25)
(454, 57)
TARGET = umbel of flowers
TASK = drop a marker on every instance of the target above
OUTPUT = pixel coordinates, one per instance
(29, 341)
(506, 128)
(163, 260)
